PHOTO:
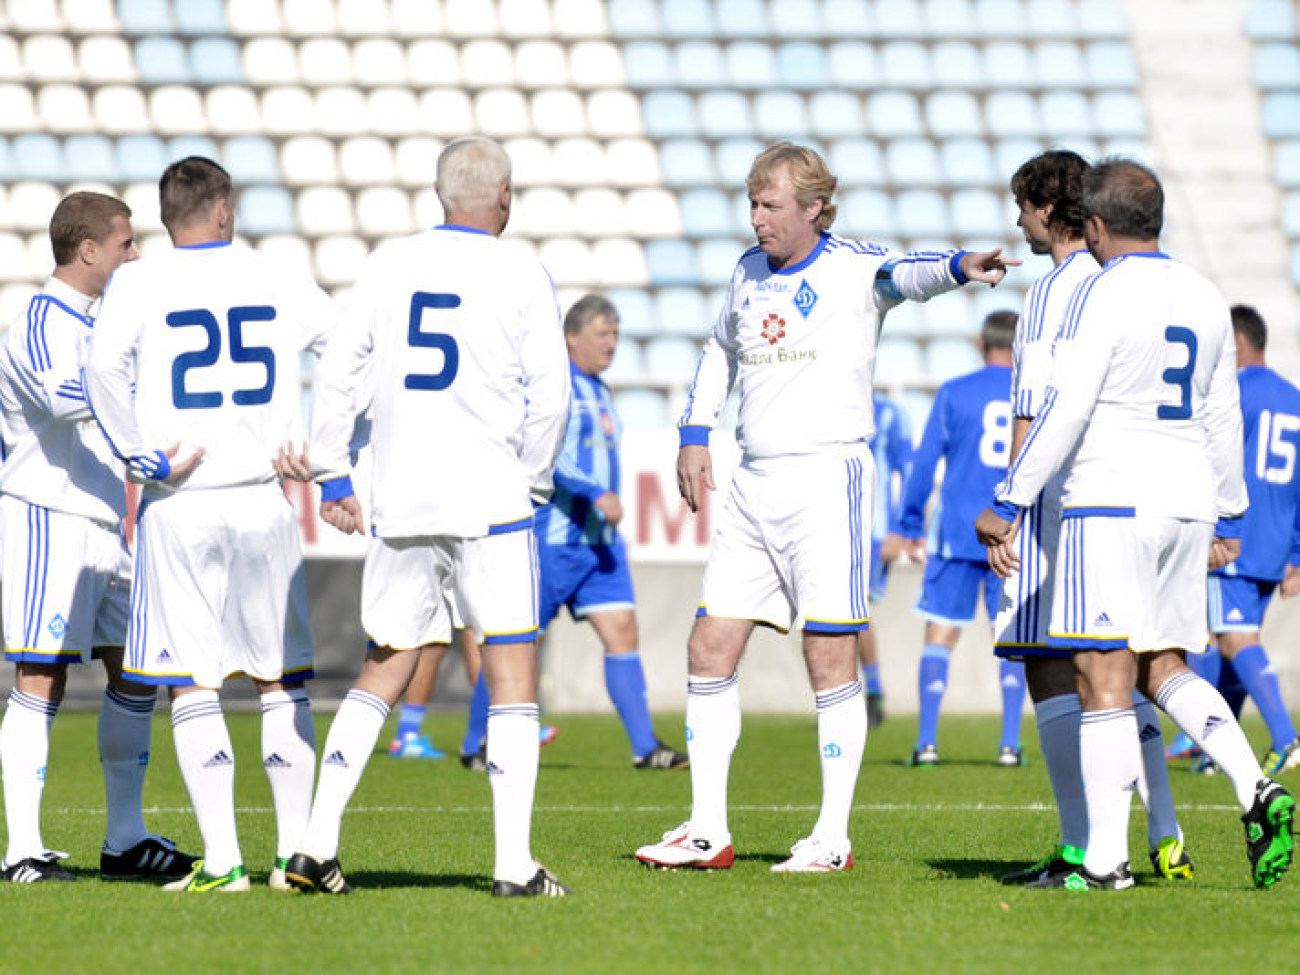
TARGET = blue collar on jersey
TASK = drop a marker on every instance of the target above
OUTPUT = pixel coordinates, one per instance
(80, 316)
(203, 247)
(462, 228)
(1156, 255)
(796, 268)
(575, 371)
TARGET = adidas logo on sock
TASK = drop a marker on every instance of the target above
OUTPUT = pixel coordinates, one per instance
(336, 758)
(274, 760)
(1213, 723)
(494, 769)
(1148, 732)
(935, 687)
(219, 759)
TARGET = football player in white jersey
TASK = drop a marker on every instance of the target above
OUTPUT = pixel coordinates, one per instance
(201, 343)
(66, 566)
(798, 331)
(459, 334)
(1142, 414)
(1047, 192)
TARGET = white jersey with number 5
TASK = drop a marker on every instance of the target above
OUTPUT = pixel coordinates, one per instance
(457, 334)
(210, 337)
(1143, 404)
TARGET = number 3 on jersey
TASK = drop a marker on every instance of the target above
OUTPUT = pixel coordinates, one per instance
(1180, 376)
(210, 355)
(418, 338)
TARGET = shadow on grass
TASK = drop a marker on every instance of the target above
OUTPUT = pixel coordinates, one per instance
(976, 869)
(399, 879)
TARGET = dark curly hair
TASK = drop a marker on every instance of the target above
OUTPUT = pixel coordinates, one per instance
(1054, 177)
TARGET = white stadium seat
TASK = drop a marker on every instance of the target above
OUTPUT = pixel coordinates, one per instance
(614, 114)
(142, 198)
(501, 112)
(384, 211)
(49, 58)
(92, 16)
(306, 18)
(596, 64)
(177, 108)
(415, 160)
(599, 212)
(633, 162)
(64, 108)
(271, 61)
(431, 63)
(470, 18)
(253, 17)
(287, 110)
(367, 161)
(308, 160)
(487, 64)
(393, 111)
(580, 18)
(530, 159)
(325, 210)
(558, 112)
(104, 59)
(568, 260)
(118, 109)
(581, 162)
(235, 109)
(654, 213)
(338, 258)
(525, 18)
(341, 111)
(326, 61)
(618, 263)
(541, 64)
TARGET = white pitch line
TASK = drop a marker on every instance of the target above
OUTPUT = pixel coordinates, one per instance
(882, 807)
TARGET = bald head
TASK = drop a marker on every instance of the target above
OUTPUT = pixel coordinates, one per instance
(1127, 197)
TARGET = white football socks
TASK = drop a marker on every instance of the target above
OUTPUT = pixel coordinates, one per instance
(348, 747)
(289, 758)
(513, 753)
(1058, 735)
(207, 763)
(24, 752)
(712, 731)
(125, 727)
(841, 738)
(1202, 712)
(1111, 763)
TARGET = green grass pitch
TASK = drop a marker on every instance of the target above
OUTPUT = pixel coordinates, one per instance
(928, 843)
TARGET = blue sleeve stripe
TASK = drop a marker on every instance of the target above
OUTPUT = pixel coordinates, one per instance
(37, 348)
(506, 527)
(693, 435)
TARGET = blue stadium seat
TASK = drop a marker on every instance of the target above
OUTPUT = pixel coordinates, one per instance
(145, 16)
(1119, 115)
(38, 156)
(742, 18)
(853, 64)
(688, 18)
(668, 113)
(1110, 64)
(868, 214)
(979, 213)
(1008, 64)
(913, 162)
(191, 145)
(1277, 66)
(780, 115)
(953, 113)
(1058, 64)
(216, 61)
(634, 18)
(970, 162)
(1051, 18)
(266, 210)
(857, 162)
(671, 262)
(1012, 113)
(957, 64)
(835, 113)
(801, 64)
(629, 362)
(750, 64)
(740, 218)
(1271, 20)
(686, 162)
(922, 213)
(734, 157)
(1066, 114)
(91, 157)
(671, 357)
(251, 159)
(6, 161)
(1291, 215)
(648, 64)
(141, 157)
(725, 114)
(636, 312)
(683, 311)
(706, 213)
(201, 17)
(897, 359)
(642, 409)
(699, 64)
(1286, 164)
(717, 260)
(999, 18)
(162, 61)
(893, 114)
(906, 64)
(948, 358)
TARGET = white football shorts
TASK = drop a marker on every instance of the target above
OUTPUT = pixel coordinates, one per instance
(1135, 581)
(67, 583)
(411, 587)
(793, 539)
(1025, 606)
(219, 589)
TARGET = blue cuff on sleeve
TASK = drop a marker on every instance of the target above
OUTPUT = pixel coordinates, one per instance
(954, 265)
(1006, 510)
(152, 466)
(693, 436)
(1228, 528)
(336, 489)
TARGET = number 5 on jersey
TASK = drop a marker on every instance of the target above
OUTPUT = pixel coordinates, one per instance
(418, 338)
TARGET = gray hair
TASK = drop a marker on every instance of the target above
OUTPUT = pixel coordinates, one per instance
(586, 310)
(471, 172)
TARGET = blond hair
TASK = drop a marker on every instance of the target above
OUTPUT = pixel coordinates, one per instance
(471, 172)
(809, 176)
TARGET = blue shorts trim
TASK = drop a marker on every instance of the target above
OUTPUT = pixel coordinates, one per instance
(1081, 641)
(1097, 511)
(506, 527)
(832, 626)
(500, 639)
(1026, 651)
(702, 610)
(39, 657)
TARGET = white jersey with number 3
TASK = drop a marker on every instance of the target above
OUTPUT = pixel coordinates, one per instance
(1143, 405)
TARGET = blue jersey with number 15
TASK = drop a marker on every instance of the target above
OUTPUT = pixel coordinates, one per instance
(970, 430)
(1270, 408)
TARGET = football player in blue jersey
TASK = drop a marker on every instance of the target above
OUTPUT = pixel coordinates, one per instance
(970, 431)
(892, 449)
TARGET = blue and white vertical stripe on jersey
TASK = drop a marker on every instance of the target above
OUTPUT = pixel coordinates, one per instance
(1074, 311)
(1049, 400)
(137, 628)
(859, 547)
(37, 349)
(1036, 317)
(1074, 615)
(38, 564)
(1028, 580)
